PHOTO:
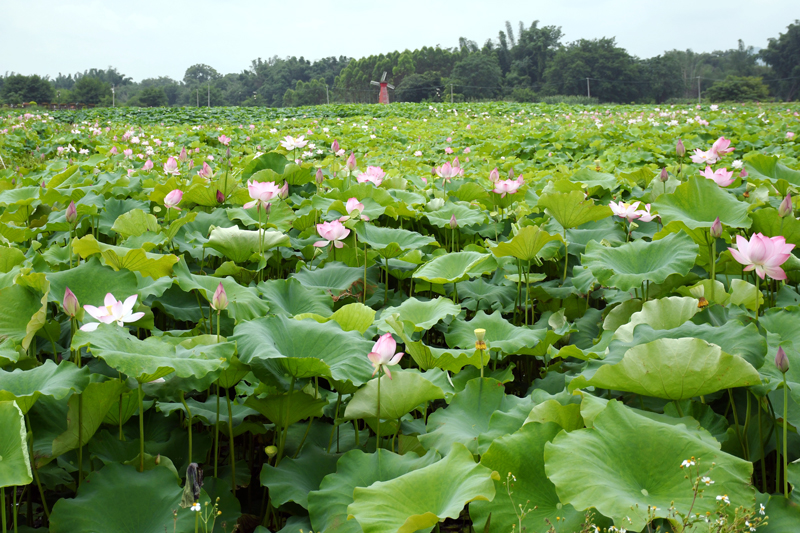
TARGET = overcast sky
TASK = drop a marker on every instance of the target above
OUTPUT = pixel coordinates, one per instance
(149, 38)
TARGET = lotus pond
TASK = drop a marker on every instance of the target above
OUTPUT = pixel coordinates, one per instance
(479, 317)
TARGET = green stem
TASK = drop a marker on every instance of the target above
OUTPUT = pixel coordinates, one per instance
(285, 431)
(761, 443)
(566, 258)
(196, 521)
(218, 313)
(528, 291)
(364, 295)
(757, 292)
(386, 287)
(395, 435)
(141, 428)
(34, 469)
(188, 423)
(230, 435)
(378, 414)
(335, 418)
(746, 424)
(713, 266)
(80, 439)
(785, 429)
(216, 434)
(259, 243)
(736, 419)
(3, 508)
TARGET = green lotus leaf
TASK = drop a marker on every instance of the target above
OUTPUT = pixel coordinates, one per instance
(501, 335)
(468, 415)
(351, 317)
(150, 498)
(332, 277)
(663, 313)
(452, 267)
(239, 245)
(20, 196)
(294, 478)
(293, 298)
(49, 379)
(134, 223)
(9, 258)
(20, 313)
(271, 160)
(761, 166)
(768, 223)
(328, 505)
(149, 359)
(676, 369)
(604, 468)
(567, 416)
(449, 485)
(16, 470)
(401, 394)
(479, 295)
(391, 242)
(465, 216)
(572, 209)
(629, 265)
(136, 260)
(783, 515)
(698, 202)
(521, 454)
(592, 178)
(304, 348)
(424, 315)
(298, 406)
(90, 282)
(526, 244)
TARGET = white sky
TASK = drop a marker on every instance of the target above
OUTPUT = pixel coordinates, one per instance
(149, 38)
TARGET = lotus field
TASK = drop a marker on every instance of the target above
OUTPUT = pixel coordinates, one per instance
(472, 317)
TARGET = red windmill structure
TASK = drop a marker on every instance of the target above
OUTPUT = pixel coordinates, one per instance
(383, 98)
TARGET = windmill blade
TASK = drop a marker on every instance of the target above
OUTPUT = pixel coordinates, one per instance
(389, 85)
(374, 83)
(383, 78)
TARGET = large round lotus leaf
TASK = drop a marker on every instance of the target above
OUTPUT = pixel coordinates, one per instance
(526, 244)
(621, 476)
(522, 455)
(328, 505)
(118, 257)
(118, 498)
(90, 281)
(49, 379)
(698, 202)
(465, 216)
(762, 166)
(298, 406)
(428, 357)
(291, 297)
(424, 315)
(629, 265)
(676, 369)
(19, 307)
(399, 395)
(239, 245)
(572, 209)
(501, 335)
(90, 409)
(332, 277)
(422, 498)
(468, 415)
(451, 267)
(243, 302)
(351, 317)
(14, 458)
(304, 348)
(391, 242)
(149, 359)
(769, 223)
(479, 295)
(664, 313)
(782, 515)
(294, 478)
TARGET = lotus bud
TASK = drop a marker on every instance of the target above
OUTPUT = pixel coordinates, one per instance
(511, 173)
(228, 153)
(743, 174)
(351, 162)
(271, 451)
(664, 175)
(786, 206)
(220, 197)
(182, 157)
(70, 305)
(283, 194)
(494, 175)
(220, 299)
(680, 149)
(453, 222)
(319, 177)
(72, 213)
(267, 208)
(716, 229)
(335, 146)
(781, 361)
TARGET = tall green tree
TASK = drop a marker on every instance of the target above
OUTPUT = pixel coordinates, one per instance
(478, 75)
(783, 55)
(18, 88)
(90, 90)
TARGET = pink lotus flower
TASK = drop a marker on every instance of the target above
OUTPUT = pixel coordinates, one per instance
(70, 305)
(624, 210)
(448, 150)
(261, 193)
(182, 156)
(448, 171)
(332, 232)
(763, 254)
(382, 354)
(224, 139)
(128, 153)
(220, 299)
(71, 213)
(171, 167)
(722, 147)
(700, 157)
(113, 311)
(494, 175)
(790, 135)
(373, 175)
(283, 194)
(721, 176)
(335, 146)
(290, 143)
(645, 215)
(206, 172)
(113, 150)
(172, 200)
(353, 205)
(503, 187)
(148, 165)
(350, 166)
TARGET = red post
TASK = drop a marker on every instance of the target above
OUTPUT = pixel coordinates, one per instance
(383, 98)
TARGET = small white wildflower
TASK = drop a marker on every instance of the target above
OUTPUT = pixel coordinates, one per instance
(687, 463)
(761, 509)
(724, 498)
(195, 507)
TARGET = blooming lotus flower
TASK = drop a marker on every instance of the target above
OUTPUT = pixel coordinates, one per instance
(721, 176)
(448, 171)
(148, 165)
(261, 193)
(113, 311)
(353, 205)
(382, 354)
(624, 210)
(220, 299)
(701, 157)
(645, 215)
(172, 200)
(722, 147)
(373, 175)
(128, 153)
(206, 172)
(70, 304)
(503, 187)
(224, 139)
(171, 166)
(763, 254)
(790, 135)
(434, 205)
(290, 143)
(332, 232)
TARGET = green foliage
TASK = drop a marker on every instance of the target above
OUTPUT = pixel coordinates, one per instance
(738, 89)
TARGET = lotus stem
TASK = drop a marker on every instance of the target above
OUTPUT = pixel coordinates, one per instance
(736, 419)
(757, 292)
(364, 295)
(260, 246)
(34, 469)
(761, 444)
(395, 435)
(216, 429)
(230, 435)
(713, 259)
(566, 257)
(80, 439)
(386, 288)
(335, 417)
(15, 510)
(785, 430)
(286, 422)
(528, 290)
(378, 414)
(3, 508)
(141, 428)
(188, 423)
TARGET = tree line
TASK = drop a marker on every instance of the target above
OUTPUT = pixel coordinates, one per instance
(526, 64)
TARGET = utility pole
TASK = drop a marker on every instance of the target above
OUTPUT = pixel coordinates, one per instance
(588, 90)
(198, 97)
(113, 97)
(698, 90)
(327, 96)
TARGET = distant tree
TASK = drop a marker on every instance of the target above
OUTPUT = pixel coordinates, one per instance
(738, 89)
(152, 97)
(419, 87)
(534, 50)
(479, 75)
(305, 93)
(405, 67)
(783, 55)
(90, 90)
(18, 88)
(199, 74)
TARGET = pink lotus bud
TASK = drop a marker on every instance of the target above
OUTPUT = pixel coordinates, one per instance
(743, 174)
(283, 194)
(494, 175)
(228, 153)
(716, 229)
(680, 149)
(172, 200)
(335, 146)
(664, 175)
(70, 305)
(182, 157)
(220, 197)
(72, 213)
(786, 206)
(351, 162)
(220, 299)
(781, 361)
(319, 177)
(267, 208)
(148, 165)
(511, 173)
(453, 222)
